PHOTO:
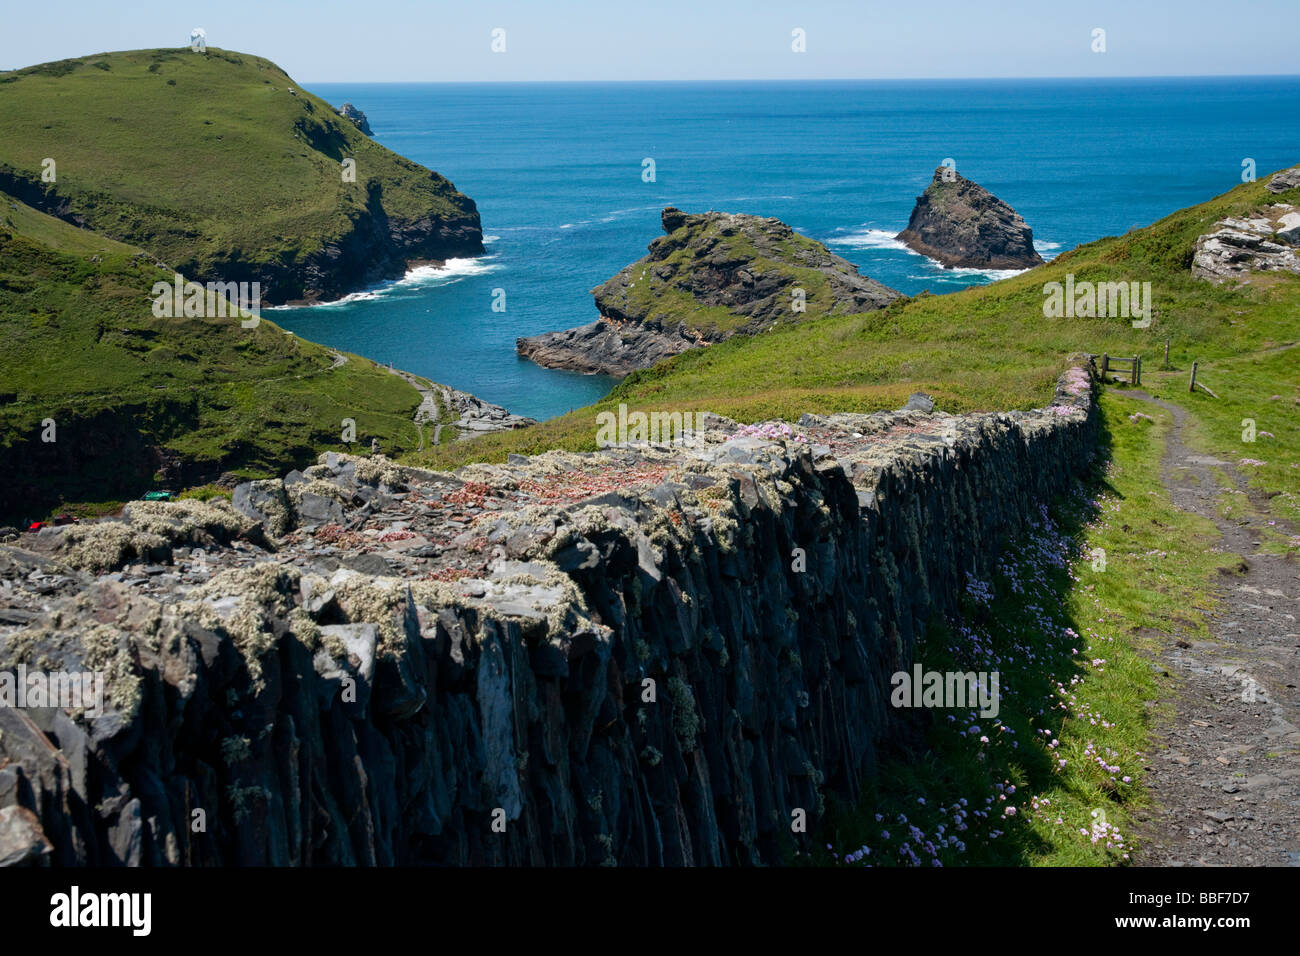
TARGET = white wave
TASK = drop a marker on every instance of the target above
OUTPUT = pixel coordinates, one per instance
(491, 238)
(1042, 246)
(870, 239)
(883, 239)
(453, 270)
(959, 272)
(450, 270)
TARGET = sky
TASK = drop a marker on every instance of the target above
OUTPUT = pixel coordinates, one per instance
(548, 40)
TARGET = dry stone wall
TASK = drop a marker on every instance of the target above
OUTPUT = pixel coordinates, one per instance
(639, 656)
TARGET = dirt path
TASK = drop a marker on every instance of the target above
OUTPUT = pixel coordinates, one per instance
(1225, 771)
(427, 413)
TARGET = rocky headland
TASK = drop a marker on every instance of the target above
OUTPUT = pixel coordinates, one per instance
(278, 206)
(960, 224)
(710, 276)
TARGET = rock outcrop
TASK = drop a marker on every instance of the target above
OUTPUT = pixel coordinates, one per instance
(711, 276)
(472, 415)
(607, 347)
(602, 658)
(1286, 179)
(1263, 242)
(358, 118)
(960, 224)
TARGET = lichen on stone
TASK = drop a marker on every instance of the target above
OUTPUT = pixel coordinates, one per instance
(235, 749)
(686, 722)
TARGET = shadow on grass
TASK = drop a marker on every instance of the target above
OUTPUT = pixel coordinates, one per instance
(952, 787)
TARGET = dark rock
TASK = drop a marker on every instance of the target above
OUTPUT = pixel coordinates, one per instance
(961, 225)
(313, 509)
(264, 501)
(367, 563)
(603, 348)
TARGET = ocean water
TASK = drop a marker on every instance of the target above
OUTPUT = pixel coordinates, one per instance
(557, 172)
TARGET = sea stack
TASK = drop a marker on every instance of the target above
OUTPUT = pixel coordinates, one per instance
(961, 224)
(708, 277)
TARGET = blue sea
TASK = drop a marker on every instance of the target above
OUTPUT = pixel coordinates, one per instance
(557, 172)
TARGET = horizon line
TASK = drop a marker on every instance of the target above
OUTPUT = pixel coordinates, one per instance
(832, 79)
(741, 79)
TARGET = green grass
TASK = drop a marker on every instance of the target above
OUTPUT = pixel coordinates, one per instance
(208, 161)
(1263, 388)
(655, 299)
(56, 234)
(220, 166)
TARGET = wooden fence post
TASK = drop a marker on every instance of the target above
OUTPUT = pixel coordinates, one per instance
(1166, 353)
(1105, 366)
(1192, 386)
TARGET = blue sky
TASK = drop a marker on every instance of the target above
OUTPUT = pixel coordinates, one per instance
(431, 40)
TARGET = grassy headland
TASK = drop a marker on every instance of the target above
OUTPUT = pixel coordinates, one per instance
(222, 166)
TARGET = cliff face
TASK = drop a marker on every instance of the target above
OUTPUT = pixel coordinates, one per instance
(709, 277)
(963, 225)
(615, 657)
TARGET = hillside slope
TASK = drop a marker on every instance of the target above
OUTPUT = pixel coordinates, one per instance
(100, 399)
(223, 167)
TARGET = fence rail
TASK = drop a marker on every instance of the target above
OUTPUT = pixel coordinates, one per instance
(1130, 364)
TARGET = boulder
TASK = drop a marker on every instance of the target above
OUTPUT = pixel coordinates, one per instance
(1288, 228)
(22, 841)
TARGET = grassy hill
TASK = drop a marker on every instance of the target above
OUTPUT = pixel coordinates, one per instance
(217, 166)
(140, 401)
(221, 166)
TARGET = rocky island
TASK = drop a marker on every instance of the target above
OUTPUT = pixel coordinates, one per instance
(710, 276)
(962, 225)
